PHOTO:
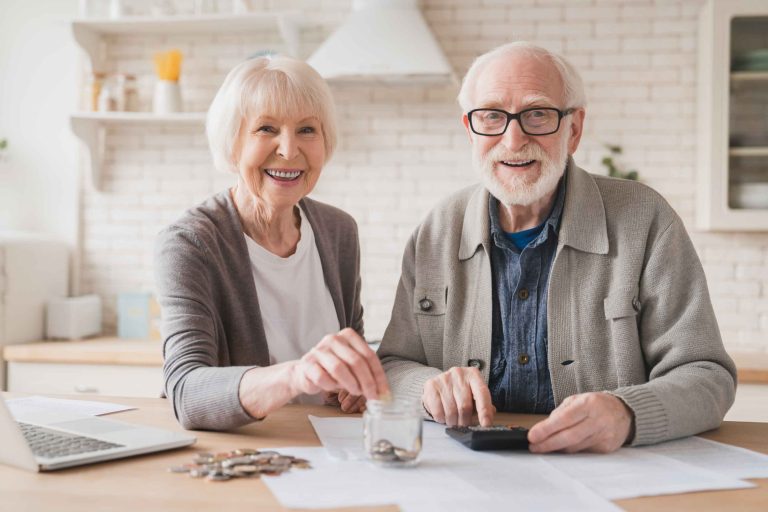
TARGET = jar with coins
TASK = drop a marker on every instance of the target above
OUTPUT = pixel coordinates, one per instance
(392, 431)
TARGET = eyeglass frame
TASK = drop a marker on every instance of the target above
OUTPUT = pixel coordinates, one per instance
(560, 115)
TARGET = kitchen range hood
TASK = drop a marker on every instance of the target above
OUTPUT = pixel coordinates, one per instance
(383, 41)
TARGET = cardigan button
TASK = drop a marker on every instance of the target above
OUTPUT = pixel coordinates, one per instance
(475, 363)
(425, 304)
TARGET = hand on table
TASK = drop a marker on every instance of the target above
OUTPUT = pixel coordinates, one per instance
(342, 361)
(348, 403)
(455, 396)
(594, 422)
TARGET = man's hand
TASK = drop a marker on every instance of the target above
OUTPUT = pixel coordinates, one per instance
(345, 401)
(454, 396)
(594, 422)
(342, 361)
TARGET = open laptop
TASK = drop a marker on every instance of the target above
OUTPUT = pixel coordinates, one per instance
(54, 440)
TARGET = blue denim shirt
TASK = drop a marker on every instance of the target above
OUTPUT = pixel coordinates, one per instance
(519, 376)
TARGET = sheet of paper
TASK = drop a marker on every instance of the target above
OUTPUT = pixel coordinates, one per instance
(34, 405)
(721, 458)
(445, 484)
(633, 472)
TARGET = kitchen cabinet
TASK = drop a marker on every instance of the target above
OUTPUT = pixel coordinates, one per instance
(101, 366)
(92, 37)
(733, 116)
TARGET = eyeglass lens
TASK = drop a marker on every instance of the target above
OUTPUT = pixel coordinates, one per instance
(533, 121)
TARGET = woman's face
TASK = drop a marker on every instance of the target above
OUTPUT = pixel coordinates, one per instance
(280, 159)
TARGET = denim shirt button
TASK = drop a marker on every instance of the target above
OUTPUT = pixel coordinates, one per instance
(523, 359)
(523, 294)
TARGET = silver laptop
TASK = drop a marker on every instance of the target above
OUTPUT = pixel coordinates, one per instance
(48, 441)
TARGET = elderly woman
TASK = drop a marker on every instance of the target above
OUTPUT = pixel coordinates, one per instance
(260, 285)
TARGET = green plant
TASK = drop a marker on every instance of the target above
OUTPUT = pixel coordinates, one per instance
(3, 144)
(614, 170)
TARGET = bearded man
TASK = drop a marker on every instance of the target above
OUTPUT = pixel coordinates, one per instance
(549, 290)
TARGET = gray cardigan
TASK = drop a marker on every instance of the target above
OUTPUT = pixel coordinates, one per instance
(628, 306)
(211, 323)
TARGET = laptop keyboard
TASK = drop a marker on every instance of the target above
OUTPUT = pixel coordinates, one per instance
(51, 443)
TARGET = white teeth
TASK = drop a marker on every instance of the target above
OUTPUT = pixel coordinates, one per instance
(517, 164)
(283, 174)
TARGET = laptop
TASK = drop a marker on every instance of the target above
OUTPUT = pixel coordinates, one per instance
(55, 440)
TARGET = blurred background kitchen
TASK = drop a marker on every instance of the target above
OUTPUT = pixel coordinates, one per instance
(102, 106)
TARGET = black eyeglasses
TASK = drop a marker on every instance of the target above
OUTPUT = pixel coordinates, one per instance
(533, 121)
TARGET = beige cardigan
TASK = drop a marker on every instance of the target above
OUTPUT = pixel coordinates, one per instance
(628, 306)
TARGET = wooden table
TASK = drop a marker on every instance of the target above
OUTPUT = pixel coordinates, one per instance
(143, 483)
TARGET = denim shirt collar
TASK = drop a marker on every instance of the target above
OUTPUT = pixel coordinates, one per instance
(551, 224)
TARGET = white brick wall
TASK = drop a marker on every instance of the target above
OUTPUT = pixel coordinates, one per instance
(403, 148)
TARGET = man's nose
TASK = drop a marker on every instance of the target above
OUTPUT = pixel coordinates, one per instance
(287, 146)
(514, 138)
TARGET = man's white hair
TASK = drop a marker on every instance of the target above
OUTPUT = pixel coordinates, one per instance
(572, 83)
(275, 86)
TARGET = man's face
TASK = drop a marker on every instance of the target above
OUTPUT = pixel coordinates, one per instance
(521, 169)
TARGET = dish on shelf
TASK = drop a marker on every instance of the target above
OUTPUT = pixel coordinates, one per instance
(755, 60)
(749, 196)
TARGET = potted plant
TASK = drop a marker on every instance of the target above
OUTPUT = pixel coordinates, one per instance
(614, 170)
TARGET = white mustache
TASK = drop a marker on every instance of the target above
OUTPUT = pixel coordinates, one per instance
(499, 154)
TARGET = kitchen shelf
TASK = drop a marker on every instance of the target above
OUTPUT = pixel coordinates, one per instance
(751, 151)
(749, 76)
(90, 33)
(731, 106)
(90, 127)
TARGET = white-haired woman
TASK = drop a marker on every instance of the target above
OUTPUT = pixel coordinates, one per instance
(259, 285)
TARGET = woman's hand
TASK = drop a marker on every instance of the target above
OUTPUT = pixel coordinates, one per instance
(342, 361)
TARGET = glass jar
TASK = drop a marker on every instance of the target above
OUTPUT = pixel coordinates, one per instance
(93, 90)
(392, 431)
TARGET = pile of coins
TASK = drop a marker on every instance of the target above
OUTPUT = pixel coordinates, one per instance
(241, 463)
(384, 451)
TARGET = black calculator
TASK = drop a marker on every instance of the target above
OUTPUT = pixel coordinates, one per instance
(497, 437)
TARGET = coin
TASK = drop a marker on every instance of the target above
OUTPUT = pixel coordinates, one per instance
(241, 463)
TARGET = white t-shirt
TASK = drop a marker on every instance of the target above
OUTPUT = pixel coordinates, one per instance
(296, 306)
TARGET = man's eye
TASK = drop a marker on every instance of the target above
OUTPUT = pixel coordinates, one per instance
(537, 113)
(493, 116)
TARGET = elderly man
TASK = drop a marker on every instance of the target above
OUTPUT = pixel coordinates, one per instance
(550, 290)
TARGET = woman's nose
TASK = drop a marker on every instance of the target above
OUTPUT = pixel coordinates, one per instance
(287, 147)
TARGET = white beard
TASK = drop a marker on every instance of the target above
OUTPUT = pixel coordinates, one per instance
(522, 189)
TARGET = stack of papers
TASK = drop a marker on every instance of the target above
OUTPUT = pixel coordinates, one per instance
(451, 477)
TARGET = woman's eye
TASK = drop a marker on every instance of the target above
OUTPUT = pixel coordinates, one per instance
(267, 129)
(308, 130)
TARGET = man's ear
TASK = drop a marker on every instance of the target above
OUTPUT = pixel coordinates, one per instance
(465, 122)
(577, 127)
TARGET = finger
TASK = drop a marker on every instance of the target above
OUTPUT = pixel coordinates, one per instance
(348, 404)
(450, 409)
(343, 393)
(331, 398)
(357, 364)
(319, 379)
(432, 402)
(337, 369)
(462, 395)
(360, 404)
(563, 417)
(564, 438)
(482, 396)
(572, 439)
(374, 364)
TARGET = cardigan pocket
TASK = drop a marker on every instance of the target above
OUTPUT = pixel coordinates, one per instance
(429, 311)
(429, 301)
(621, 308)
(620, 304)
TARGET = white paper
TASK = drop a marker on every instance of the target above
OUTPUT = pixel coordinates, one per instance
(633, 472)
(721, 458)
(444, 484)
(448, 477)
(35, 405)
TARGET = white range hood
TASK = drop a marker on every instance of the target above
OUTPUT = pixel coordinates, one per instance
(383, 41)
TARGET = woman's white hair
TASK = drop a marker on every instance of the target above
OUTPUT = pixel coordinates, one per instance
(572, 83)
(272, 86)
